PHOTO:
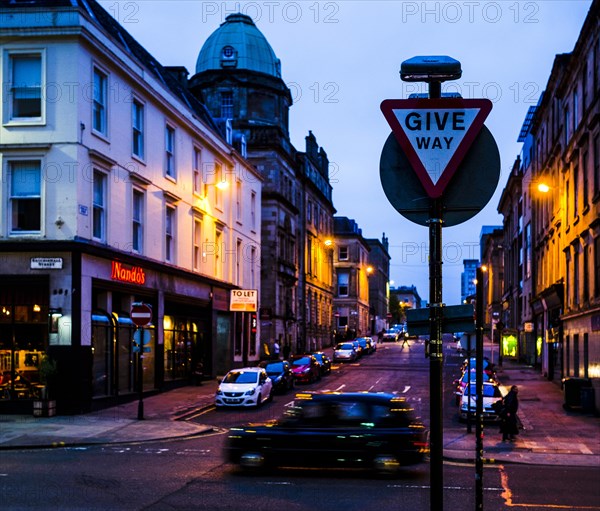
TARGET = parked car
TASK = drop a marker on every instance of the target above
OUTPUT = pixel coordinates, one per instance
(464, 380)
(306, 369)
(358, 348)
(366, 345)
(281, 374)
(491, 395)
(391, 335)
(324, 362)
(488, 367)
(248, 386)
(376, 431)
(344, 351)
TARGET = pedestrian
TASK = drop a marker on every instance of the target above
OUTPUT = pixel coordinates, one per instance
(286, 351)
(405, 340)
(509, 425)
(275, 350)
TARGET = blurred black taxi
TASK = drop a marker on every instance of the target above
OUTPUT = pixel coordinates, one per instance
(376, 431)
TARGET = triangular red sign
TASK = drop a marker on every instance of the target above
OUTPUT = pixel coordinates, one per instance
(435, 134)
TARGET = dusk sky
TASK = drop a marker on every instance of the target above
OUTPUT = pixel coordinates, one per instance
(342, 59)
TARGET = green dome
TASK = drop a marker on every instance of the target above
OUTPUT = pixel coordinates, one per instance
(238, 44)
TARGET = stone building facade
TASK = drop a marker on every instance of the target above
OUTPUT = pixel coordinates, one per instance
(238, 77)
(554, 241)
(351, 261)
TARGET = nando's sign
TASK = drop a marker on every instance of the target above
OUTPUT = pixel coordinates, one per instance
(129, 274)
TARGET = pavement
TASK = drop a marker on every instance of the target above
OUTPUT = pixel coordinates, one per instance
(551, 435)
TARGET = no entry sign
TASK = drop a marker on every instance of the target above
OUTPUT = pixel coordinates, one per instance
(435, 135)
(141, 314)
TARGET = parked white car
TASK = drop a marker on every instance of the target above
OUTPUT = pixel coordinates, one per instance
(491, 394)
(248, 386)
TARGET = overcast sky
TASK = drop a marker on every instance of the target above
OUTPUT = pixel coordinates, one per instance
(342, 58)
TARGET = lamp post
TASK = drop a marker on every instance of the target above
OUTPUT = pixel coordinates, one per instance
(541, 188)
(479, 388)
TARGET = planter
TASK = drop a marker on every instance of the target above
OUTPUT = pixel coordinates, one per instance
(44, 408)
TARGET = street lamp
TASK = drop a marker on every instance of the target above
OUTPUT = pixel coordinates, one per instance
(542, 189)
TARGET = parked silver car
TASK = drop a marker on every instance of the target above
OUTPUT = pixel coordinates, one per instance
(345, 351)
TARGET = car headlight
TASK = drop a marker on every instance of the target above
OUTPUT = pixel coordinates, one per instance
(250, 392)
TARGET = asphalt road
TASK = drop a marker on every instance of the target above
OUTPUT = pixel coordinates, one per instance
(190, 474)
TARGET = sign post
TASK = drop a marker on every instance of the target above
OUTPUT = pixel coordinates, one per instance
(141, 315)
(438, 149)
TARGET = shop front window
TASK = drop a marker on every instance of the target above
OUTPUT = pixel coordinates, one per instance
(23, 338)
(182, 344)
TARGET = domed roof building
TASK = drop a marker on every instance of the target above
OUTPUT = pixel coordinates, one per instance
(238, 76)
(237, 43)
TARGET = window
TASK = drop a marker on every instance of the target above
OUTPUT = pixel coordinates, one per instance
(597, 267)
(253, 211)
(528, 250)
(585, 176)
(568, 281)
(586, 276)
(575, 108)
(576, 278)
(238, 262)
(227, 105)
(219, 184)
(170, 152)
(309, 212)
(238, 201)
(99, 103)
(25, 196)
(584, 86)
(343, 254)
(99, 206)
(137, 218)
(218, 243)
(169, 233)
(25, 85)
(567, 126)
(567, 201)
(576, 191)
(197, 243)
(252, 264)
(309, 259)
(596, 149)
(197, 167)
(137, 121)
(343, 282)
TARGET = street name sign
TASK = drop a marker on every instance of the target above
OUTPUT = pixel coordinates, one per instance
(436, 134)
(141, 313)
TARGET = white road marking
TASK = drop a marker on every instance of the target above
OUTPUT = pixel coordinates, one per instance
(340, 387)
(406, 389)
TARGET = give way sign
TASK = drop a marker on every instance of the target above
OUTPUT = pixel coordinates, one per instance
(435, 134)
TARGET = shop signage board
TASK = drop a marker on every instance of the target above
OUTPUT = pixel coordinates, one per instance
(141, 314)
(435, 134)
(243, 300)
(129, 274)
(46, 263)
